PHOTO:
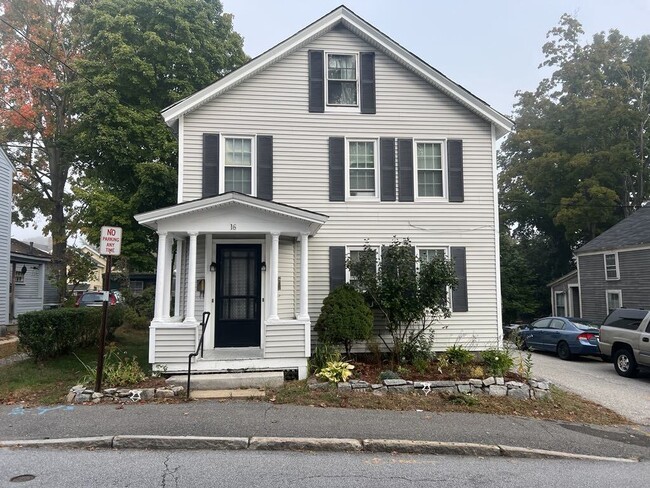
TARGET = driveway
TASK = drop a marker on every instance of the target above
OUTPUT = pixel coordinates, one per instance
(597, 381)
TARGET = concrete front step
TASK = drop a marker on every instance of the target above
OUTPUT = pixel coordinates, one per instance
(218, 394)
(229, 381)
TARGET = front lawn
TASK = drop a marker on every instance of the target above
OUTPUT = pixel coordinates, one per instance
(48, 382)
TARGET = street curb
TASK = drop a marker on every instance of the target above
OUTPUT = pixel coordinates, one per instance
(105, 442)
(400, 446)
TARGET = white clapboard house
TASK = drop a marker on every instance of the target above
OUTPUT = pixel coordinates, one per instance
(334, 136)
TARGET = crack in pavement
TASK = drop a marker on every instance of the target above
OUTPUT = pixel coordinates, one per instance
(170, 473)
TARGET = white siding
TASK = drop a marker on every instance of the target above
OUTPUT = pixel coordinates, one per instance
(286, 295)
(285, 340)
(275, 102)
(29, 295)
(6, 176)
(174, 344)
(200, 275)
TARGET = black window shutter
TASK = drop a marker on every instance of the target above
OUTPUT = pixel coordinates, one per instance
(387, 169)
(265, 167)
(368, 95)
(459, 294)
(455, 166)
(405, 170)
(316, 81)
(210, 165)
(337, 266)
(337, 169)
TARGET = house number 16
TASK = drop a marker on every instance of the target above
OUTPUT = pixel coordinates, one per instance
(233, 226)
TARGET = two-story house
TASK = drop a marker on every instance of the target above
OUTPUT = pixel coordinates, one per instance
(613, 271)
(334, 136)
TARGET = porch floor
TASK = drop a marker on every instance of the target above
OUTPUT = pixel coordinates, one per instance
(230, 353)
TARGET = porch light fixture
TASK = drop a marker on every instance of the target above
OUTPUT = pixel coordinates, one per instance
(263, 266)
(23, 270)
(213, 267)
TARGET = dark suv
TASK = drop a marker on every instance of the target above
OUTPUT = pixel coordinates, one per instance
(625, 337)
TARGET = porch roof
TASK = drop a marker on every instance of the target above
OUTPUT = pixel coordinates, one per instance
(219, 213)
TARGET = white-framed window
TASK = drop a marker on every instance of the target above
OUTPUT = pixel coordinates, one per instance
(237, 171)
(342, 86)
(361, 161)
(611, 266)
(19, 277)
(428, 253)
(429, 169)
(614, 300)
(353, 254)
(136, 286)
(560, 304)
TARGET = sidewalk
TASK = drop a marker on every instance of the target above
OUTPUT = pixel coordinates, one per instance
(249, 419)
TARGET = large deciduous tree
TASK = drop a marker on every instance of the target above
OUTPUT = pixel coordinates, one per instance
(141, 56)
(578, 161)
(37, 48)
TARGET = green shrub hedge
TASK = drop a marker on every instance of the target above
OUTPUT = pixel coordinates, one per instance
(50, 333)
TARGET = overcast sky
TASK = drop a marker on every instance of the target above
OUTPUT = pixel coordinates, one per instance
(491, 47)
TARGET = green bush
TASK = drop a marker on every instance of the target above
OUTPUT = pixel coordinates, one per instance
(345, 317)
(497, 361)
(417, 348)
(388, 375)
(336, 372)
(119, 370)
(323, 354)
(458, 356)
(50, 333)
(139, 308)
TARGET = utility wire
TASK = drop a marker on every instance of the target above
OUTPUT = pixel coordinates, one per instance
(557, 204)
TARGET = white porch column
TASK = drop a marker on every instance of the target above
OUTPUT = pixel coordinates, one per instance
(177, 283)
(191, 281)
(304, 277)
(273, 295)
(160, 277)
(167, 290)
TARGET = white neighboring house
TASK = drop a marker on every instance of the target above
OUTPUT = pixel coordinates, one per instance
(6, 180)
(336, 135)
(30, 289)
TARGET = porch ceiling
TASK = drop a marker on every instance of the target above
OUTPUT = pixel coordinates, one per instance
(233, 213)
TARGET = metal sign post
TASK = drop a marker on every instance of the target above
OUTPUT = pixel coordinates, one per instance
(110, 245)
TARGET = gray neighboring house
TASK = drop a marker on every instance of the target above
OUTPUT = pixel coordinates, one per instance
(30, 288)
(565, 295)
(613, 270)
(6, 179)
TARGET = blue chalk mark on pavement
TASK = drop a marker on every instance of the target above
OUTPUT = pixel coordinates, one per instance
(40, 410)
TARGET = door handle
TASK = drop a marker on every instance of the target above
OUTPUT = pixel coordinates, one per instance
(645, 339)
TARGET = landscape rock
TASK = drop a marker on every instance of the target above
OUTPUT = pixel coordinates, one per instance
(523, 393)
(515, 384)
(498, 390)
(463, 388)
(380, 391)
(539, 394)
(110, 391)
(148, 393)
(323, 385)
(164, 393)
(400, 389)
(475, 382)
(71, 397)
(442, 384)
(397, 382)
(96, 394)
(82, 397)
(543, 385)
(178, 389)
(489, 381)
(500, 381)
(124, 392)
(344, 386)
(358, 384)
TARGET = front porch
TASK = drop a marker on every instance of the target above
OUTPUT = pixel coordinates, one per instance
(244, 260)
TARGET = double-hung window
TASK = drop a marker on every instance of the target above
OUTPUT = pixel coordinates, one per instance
(427, 255)
(362, 166)
(614, 300)
(611, 266)
(238, 167)
(560, 304)
(342, 80)
(429, 169)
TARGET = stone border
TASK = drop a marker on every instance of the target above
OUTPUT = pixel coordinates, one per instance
(81, 394)
(493, 386)
(304, 444)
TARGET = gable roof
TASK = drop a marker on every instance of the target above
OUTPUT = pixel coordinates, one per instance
(568, 276)
(631, 231)
(342, 15)
(22, 249)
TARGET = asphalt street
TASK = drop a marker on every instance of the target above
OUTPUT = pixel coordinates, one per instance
(247, 419)
(80, 468)
(597, 381)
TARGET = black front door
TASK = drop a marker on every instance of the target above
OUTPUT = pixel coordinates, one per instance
(238, 300)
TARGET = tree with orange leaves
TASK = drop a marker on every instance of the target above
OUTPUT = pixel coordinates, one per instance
(37, 48)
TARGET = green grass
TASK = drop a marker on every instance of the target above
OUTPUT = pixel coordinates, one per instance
(48, 382)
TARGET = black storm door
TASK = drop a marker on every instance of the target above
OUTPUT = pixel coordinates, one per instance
(238, 300)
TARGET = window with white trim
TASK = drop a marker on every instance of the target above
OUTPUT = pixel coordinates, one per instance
(238, 167)
(560, 304)
(342, 80)
(429, 169)
(136, 286)
(354, 254)
(19, 277)
(611, 266)
(426, 255)
(614, 300)
(362, 169)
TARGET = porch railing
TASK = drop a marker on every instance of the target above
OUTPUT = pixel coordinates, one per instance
(199, 349)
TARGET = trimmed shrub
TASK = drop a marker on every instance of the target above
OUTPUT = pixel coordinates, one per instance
(51, 333)
(345, 317)
(497, 361)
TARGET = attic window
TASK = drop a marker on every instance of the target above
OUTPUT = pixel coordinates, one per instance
(342, 80)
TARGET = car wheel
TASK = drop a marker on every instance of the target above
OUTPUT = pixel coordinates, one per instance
(563, 351)
(624, 363)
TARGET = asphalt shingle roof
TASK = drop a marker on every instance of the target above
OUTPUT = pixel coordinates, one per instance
(19, 247)
(632, 231)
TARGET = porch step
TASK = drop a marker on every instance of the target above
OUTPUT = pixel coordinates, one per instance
(229, 381)
(218, 394)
